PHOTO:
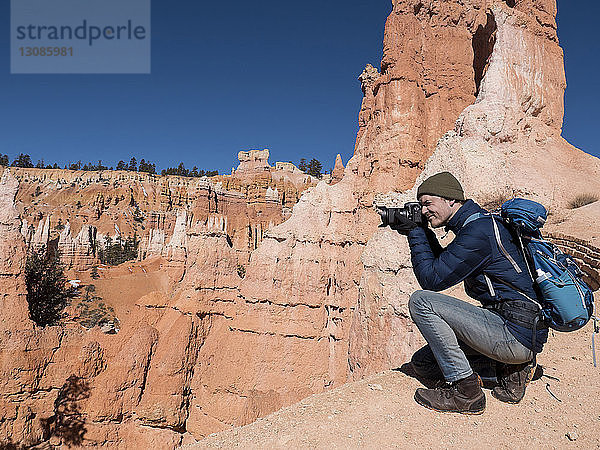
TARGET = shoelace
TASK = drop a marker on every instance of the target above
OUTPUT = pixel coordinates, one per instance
(449, 391)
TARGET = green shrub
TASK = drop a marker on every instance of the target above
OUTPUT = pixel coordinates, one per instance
(94, 312)
(582, 200)
(120, 251)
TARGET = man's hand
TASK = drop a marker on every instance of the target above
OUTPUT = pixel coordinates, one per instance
(402, 224)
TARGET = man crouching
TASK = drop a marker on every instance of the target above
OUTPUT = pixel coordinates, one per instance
(500, 332)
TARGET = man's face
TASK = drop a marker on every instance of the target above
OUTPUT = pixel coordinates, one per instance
(437, 210)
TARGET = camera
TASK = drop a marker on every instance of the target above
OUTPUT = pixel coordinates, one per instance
(410, 210)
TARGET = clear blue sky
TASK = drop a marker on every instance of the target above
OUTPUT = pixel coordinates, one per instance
(230, 76)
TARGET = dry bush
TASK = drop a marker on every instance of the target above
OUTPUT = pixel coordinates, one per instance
(582, 200)
(91, 310)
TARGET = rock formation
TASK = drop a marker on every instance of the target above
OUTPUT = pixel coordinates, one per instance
(76, 210)
(338, 170)
(78, 251)
(25, 351)
(142, 375)
(12, 256)
(509, 141)
(253, 161)
(506, 144)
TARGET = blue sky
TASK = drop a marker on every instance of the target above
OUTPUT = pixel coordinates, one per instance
(231, 76)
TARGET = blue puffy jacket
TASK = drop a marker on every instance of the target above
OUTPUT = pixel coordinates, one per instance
(473, 251)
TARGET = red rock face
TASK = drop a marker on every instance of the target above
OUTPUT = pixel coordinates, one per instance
(424, 85)
(338, 171)
(12, 259)
(506, 144)
(76, 211)
(25, 351)
(142, 375)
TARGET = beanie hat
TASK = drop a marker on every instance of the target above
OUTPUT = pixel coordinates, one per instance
(442, 184)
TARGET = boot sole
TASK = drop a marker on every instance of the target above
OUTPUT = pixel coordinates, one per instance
(469, 413)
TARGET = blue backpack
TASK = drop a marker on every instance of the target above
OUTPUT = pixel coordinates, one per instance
(566, 301)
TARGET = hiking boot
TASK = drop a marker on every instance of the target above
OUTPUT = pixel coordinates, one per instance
(512, 380)
(464, 396)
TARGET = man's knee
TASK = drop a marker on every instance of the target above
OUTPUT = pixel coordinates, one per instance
(418, 302)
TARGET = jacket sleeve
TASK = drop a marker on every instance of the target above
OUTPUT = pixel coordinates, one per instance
(434, 244)
(468, 253)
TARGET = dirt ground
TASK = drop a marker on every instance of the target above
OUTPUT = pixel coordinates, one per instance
(379, 412)
(120, 287)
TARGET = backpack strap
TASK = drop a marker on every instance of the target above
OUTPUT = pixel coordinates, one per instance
(510, 285)
(473, 217)
(476, 216)
(502, 249)
(489, 284)
(596, 330)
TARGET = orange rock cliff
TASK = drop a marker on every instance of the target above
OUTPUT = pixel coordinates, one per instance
(77, 211)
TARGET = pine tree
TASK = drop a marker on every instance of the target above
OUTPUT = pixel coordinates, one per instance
(302, 165)
(314, 168)
(47, 291)
(147, 167)
(133, 164)
(120, 251)
(23, 160)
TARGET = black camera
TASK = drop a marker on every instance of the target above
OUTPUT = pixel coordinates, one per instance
(410, 210)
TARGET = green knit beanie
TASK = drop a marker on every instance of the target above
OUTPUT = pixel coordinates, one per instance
(442, 184)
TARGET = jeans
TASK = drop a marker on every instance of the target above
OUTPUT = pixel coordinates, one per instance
(453, 329)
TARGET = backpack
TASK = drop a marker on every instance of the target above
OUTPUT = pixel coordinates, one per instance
(566, 301)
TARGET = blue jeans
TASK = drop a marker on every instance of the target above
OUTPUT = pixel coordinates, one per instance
(453, 329)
